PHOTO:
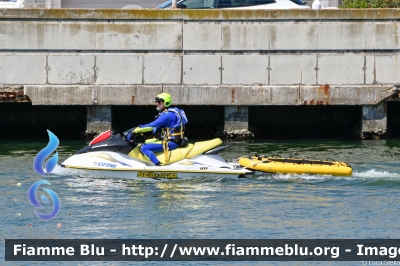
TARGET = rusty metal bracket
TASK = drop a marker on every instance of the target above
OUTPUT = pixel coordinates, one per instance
(13, 94)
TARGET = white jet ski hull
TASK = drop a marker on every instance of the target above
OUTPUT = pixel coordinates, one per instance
(119, 165)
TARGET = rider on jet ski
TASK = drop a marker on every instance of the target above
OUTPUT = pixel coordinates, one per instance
(170, 121)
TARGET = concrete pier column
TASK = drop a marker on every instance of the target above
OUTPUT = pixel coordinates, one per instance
(98, 120)
(236, 123)
(374, 121)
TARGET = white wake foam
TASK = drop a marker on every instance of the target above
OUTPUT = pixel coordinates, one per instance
(62, 171)
(308, 177)
(368, 174)
(376, 174)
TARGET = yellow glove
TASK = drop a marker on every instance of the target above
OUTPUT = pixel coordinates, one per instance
(142, 129)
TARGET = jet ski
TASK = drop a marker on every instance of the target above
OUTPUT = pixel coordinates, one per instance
(112, 155)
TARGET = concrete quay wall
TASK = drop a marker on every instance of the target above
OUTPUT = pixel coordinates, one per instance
(202, 57)
(234, 58)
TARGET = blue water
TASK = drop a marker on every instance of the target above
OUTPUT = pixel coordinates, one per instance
(270, 206)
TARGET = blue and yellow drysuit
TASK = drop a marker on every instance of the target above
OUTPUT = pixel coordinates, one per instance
(165, 121)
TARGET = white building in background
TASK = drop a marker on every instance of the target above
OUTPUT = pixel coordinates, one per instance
(75, 3)
(12, 3)
(114, 3)
(90, 3)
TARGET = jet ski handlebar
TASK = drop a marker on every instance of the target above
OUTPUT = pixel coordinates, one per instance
(130, 135)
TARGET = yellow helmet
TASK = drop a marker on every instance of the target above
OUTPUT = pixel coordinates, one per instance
(165, 97)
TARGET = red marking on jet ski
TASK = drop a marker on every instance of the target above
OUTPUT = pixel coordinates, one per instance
(103, 136)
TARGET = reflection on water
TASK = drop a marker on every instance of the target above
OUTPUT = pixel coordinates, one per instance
(363, 205)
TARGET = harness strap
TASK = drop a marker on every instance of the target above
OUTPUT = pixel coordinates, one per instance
(177, 134)
(165, 146)
(166, 135)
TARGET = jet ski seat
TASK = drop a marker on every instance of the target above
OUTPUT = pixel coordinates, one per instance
(175, 155)
(203, 146)
(189, 151)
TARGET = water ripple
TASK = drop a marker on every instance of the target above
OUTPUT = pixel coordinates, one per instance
(363, 205)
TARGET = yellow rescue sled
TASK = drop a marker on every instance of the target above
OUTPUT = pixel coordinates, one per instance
(295, 165)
